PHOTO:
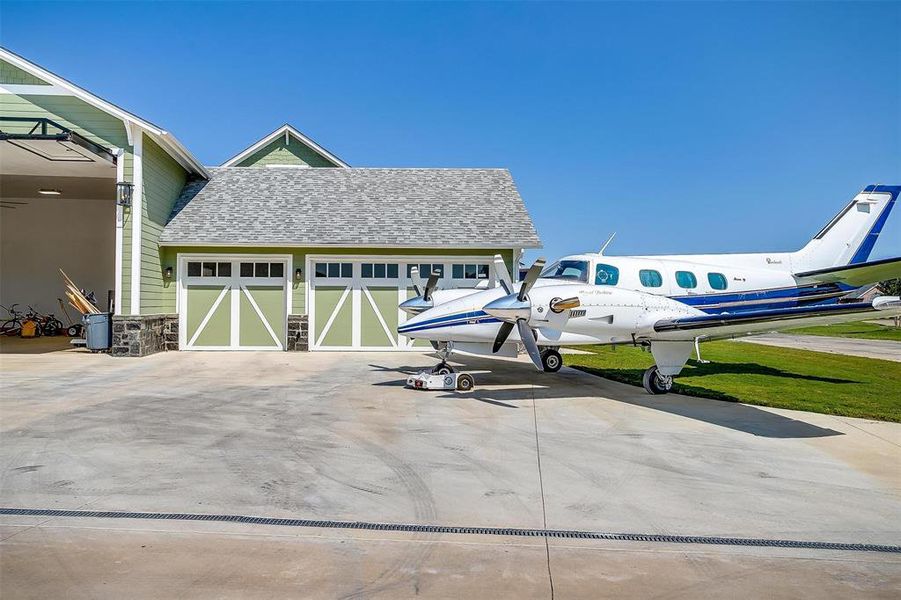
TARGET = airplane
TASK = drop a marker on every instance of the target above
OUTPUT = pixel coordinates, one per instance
(660, 302)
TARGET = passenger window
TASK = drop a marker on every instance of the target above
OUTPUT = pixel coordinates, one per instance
(717, 281)
(606, 275)
(650, 278)
(686, 279)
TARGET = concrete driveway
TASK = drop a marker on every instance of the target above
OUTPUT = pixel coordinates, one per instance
(336, 437)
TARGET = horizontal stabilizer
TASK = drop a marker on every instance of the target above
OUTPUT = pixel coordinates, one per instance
(855, 275)
(757, 321)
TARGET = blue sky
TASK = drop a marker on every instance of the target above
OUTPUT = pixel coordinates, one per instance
(683, 127)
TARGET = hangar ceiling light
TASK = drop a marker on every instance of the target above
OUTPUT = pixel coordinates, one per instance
(47, 192)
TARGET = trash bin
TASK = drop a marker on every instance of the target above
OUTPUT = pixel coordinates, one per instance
(98, 331)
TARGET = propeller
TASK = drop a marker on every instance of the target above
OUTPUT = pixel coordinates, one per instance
(516, 310)
(430, 286)
(503, 276)
(414, 277)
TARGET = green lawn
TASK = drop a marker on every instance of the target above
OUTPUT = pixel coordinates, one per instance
(767, 376)
(860, 329)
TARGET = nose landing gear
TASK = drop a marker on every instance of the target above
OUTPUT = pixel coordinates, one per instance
(655, 383)
(551, 360)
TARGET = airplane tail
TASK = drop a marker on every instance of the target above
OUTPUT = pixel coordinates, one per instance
(850, 236)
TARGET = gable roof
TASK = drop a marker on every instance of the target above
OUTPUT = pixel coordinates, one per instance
(57, 84)
(285, 130)
(414, 208)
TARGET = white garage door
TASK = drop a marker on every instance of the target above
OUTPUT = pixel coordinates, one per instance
(353, 300)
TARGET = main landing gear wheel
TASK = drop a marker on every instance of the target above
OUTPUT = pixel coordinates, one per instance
(465, 382)
(442, 369)
(655, 383)
(551, 361)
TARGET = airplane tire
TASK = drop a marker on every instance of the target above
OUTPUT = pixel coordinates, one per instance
(653, 382)
(465, 382)
(551, 361)
(442, 370)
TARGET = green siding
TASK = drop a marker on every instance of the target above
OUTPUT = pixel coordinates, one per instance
(163, 181)
(97, 126)
(13, 75)
(277, 152)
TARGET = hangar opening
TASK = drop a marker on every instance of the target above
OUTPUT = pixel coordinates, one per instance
(57, 211)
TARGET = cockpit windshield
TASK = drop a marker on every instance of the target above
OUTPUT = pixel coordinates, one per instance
(576, 270)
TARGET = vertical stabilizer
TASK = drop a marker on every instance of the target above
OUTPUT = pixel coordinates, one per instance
(850, 236)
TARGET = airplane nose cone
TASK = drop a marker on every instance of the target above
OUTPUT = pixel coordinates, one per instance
(508, 308)
(415, 305)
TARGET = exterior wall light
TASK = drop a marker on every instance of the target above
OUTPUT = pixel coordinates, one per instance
(168, 273)
(123, 193)
(298, 274)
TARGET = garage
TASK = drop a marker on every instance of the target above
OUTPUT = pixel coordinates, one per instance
(58, 207)
(354, 300)
(233, 303)
(284, 247)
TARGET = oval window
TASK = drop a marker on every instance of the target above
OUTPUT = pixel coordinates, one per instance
(686, 279)
(717, 281)
(650, 278)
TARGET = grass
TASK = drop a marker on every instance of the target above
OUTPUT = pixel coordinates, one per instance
(860, 329)
(767, 376)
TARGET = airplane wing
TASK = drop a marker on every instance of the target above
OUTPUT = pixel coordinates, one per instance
(856, 275)
(760, 321)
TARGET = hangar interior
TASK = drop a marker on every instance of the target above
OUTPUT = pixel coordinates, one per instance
(57, 211)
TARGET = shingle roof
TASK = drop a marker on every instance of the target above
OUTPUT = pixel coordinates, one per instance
(476, 208)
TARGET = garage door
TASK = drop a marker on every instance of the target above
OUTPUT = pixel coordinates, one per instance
(353, 302)
(233, 304)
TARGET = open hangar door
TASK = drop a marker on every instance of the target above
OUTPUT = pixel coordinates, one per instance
(57, 210)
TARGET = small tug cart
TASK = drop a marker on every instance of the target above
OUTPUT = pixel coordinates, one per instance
(427, 380)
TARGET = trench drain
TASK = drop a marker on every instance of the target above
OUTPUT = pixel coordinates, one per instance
(452, 529)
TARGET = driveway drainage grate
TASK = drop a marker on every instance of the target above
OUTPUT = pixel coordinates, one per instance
(410, 528)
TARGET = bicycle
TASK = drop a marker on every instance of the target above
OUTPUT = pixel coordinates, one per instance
(48, 324)
(13, 325)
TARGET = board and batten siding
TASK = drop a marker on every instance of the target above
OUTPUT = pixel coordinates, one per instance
(164, 179)
(90, 122)
(170, 254)
(277, 152)
(12, 75)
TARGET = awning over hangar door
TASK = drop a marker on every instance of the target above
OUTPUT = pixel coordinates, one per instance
(233, 304)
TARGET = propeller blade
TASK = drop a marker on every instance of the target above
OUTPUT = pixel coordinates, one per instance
(528, 340)
(430, 286)
(414, 278)
(530, 279)
(502, 334)
(502, 275)
(559, 306)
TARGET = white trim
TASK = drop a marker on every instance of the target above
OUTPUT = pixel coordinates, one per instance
(284, 129)
(137, 218)
(181, 154)
(120, 224)
(23, 89)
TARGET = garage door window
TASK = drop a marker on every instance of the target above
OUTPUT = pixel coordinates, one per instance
(426, 269)
(379, 271)
(209, 269)
(470, 271)
(262, 269)
(334, 269)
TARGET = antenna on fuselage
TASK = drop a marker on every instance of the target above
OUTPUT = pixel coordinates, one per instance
(607, 243)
